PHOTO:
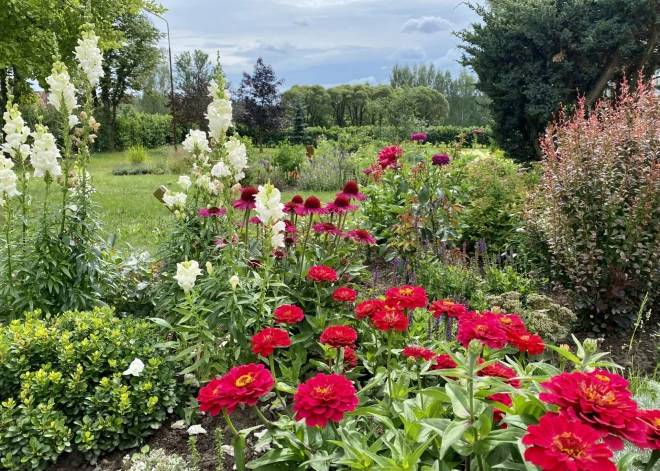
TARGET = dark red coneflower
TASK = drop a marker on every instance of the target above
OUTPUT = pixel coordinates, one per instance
(341, 205)
(312, 205)
(247, 200)
(254, 220)
(297, 199)
(362, 236)
(327, 228)
(440, 160)
(291, 206)
(211, 212)
(290, 228)
(352, 191)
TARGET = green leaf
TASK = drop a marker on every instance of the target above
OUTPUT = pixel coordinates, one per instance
(459, 400)
(453, 433)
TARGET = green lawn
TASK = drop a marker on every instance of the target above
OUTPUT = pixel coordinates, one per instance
(126, 203)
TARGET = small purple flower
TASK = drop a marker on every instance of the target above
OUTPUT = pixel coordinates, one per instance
(418, 137)
(440, 160)
(478, 132)
(481, 245)
(437, 324)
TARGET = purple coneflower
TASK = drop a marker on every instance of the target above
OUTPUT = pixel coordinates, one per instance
(352, 191)
(247, 200)
(341, 205)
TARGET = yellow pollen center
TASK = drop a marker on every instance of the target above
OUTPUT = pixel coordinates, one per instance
(215, 391)
(524, 337)
(322, 391)
(657, 423)
(569, 444)
(598, 398)
(448, 303)
(603, 378)
(505, 320)
(244, 380)
(405, 291)
(482, 327)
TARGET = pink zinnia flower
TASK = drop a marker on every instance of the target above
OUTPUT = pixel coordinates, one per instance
(352, 191)
(361, 235)
(247, 200)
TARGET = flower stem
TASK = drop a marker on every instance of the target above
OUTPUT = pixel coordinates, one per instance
(271, 360)
(229, 423)
(266, 422)
(389, 357)
(304, 247)
(10, 275)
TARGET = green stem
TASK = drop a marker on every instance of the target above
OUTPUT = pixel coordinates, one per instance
(245, 222)
(10, 275)
(229, 424)
(655, 456)
(304, 247)
(271, 361)
(389, 357)
(266, 422)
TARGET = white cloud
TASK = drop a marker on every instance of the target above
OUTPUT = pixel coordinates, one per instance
(302, 21)
(426, 25)
(371, 80)
(408, 53)
(320, 3)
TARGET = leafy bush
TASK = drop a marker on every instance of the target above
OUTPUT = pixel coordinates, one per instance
(142, 129)
(62, 386)
(289, 159)
(137, 154)
(598, 205)
(139, 169)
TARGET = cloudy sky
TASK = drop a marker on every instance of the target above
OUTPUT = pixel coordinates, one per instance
(327, 42)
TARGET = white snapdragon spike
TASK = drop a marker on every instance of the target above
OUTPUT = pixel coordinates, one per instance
(268, 204)
(135, 368)
(196, 430)
(44, 153)
(196, 143)
(205, 182)
(237, 156)
(186, 274)
(89, 56)
(220, 170)
(277, 235)
(73, 120)
(62, 92)
(219, 111)
(16, 133)
(174, 201)
(7, 179)
(184, 182)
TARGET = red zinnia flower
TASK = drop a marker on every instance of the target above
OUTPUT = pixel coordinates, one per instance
(652, 419)
(416, 351)
(445, 306)
(312, 205)
(265, 342)
(338, 336)
(369, 308)
(408, 297)
(327, 228)
(361, 235)
(244, 384)
(560, 444)
(352, 191)
(344, 295)
(350, 358)
(321, 273)
(323, 398)
(600, 401)
(443, 361)
(486, 332)
(248, 199)
(498, 370)
(527, 342)
(288, 314)
(389, 155)
(507, 322)
(341, 205)
(390, 320)
(211, 212)
(502, 398)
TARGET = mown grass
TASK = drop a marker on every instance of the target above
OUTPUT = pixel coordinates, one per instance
(126, 203)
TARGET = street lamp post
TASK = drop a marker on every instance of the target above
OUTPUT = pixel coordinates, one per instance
(169, 47)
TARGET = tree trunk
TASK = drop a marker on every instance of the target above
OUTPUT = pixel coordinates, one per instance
(534, 135)
(3, 91)
(602, 81)
(261, 142)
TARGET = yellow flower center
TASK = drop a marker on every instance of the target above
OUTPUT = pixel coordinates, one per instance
(524, 337)
(505, 320)
(569, 443)
(406, 291)
(597, 397)
(482, 327)
(603, 378)
(244, 380)
(657, 423)
(322, 391)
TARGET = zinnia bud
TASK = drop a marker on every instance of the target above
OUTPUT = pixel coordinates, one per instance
(590, 346)
(475, 347)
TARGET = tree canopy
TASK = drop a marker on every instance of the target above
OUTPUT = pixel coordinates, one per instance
(532, 56)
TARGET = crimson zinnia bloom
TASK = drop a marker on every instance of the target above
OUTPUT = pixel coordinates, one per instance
(288, 314)
(338, 336)
(527, 342)
(341, 205)
(369, 308)
(498, 370)
(408, 297)
(211, 212)
(248, 199)
(507, 322)
(244, 384)
(443, 361)
(389, 155)
(558, 443)
(652, 419)
(480, 329)
(362, 236)
(323, 398)
(416, 351)
(321, 273)
(598, 400)
(502, 398)
(352, 191)
(312, 205)
(327, 228)
(445, 306)
(344, 295)
(265, 342)
(440, 160)
(350, 358)
(390, 320)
